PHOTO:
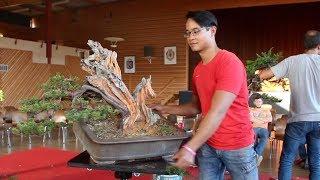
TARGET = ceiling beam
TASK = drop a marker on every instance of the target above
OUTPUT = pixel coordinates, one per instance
(20, 10)
(33, 7)
(62, 4)
(93, 2)
(10, 3)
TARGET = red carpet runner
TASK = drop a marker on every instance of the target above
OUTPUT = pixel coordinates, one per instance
(51, 164)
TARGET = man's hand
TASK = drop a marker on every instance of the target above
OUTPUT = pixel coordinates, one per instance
(189, 109)
(158, 107)
(183, 159)
(265, 74)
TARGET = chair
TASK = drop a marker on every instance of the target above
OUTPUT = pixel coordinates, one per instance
(277, 132)
(185, 97)
(9, 112)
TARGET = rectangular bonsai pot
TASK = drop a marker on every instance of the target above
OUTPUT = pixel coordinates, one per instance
(108, 151)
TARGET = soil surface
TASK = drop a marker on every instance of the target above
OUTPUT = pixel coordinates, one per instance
(109, 129)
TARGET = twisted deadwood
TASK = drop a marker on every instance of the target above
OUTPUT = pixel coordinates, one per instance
(106, 80)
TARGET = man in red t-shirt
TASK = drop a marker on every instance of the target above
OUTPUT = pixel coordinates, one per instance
(225, 137)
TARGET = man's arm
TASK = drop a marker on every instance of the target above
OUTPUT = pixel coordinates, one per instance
(266, 74)
(279, 71)
(220, 103)
(188, 109)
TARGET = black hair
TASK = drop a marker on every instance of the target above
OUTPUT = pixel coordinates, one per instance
(311, 39)
(253, 97)
(203, 18)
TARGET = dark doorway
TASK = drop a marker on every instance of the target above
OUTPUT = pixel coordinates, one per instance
(194, 59)
(248, 31)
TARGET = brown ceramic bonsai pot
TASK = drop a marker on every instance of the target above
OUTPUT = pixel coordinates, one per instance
(109, 151)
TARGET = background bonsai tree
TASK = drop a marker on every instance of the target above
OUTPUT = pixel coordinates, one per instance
(1, 100)
(57, 90)
(269, 98)
(1, 95)
(262, 61)
(91, 110)
(1, 108)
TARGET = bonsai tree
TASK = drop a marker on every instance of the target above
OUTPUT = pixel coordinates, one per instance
(40, 110)
(59, 88)
(172, 170)
(173, 173)
(269, 98)
(1, 95)
(105, 90)
(1, 100)
(262, 61)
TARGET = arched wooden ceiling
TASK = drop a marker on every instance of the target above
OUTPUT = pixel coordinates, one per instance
(37, 7)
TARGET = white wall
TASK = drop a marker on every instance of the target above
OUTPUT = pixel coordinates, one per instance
(39, 50)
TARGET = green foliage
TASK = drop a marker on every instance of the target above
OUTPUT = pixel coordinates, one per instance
(80, 103)
(55, 89)
(58, 87)
(262, 61)
(172, 170)
(41, 129)
(30, 127)
(15, 131)
(1, 95)
(108, 110)
(270, 98)
(100, 113)
(35, 105)
(167, 129)
(49, 124)
(55, 94)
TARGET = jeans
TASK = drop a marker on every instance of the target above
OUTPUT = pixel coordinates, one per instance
(297, 133)
(302, 151)
(262, 137)
(241, 163)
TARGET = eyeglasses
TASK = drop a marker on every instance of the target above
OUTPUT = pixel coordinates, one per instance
(194, 32)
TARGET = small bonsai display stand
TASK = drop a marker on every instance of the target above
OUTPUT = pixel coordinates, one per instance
(123, 169)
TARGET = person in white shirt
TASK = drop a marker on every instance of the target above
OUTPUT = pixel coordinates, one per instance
(303, 71)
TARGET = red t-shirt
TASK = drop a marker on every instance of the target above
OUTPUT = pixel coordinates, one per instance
(225, 72)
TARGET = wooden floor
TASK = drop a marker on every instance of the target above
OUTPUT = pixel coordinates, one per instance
(269, 164)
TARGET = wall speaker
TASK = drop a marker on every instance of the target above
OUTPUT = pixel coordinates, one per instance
(147, 51)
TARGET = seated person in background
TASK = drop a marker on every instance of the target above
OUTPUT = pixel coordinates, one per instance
(260, 115)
